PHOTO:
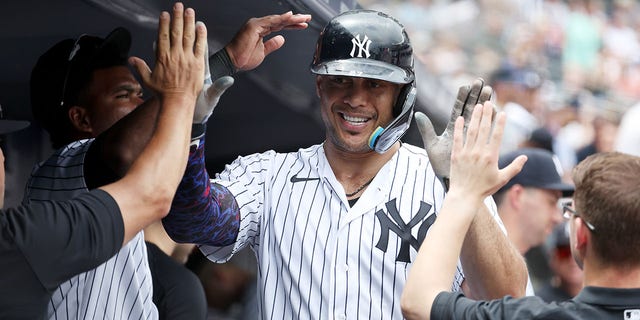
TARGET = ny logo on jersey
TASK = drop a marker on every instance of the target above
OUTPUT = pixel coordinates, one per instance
(363, 46)
(402, 229)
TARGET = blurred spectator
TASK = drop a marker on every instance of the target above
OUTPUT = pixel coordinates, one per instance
(528, 203)
(567, 276)
(583, 36)
(539, 138)
(605, 129)
(628, 138)
(230, 287)
(516, 92)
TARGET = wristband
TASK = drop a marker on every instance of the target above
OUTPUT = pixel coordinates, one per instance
(220, 64)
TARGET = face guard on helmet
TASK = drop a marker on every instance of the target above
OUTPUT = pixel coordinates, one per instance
(371, 44)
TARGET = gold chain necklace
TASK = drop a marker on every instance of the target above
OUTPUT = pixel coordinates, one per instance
(360, 189)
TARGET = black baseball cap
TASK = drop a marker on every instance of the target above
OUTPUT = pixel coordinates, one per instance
(63, 70)
(540, 171)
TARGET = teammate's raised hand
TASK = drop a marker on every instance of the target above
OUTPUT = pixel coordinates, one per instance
(179, 69)
(474, 158)
(248, 48)
(439, 147)
(211, 91)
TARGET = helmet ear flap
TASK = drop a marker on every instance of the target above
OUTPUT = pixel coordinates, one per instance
(384, 138)
(402, 98)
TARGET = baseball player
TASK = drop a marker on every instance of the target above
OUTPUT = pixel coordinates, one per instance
(336, 226)
(68, 101)
(46, 243)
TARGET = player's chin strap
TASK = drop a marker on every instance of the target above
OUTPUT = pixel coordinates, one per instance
(383, 138)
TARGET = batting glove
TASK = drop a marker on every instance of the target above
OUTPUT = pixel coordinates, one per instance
(439, 147)
(210, 94)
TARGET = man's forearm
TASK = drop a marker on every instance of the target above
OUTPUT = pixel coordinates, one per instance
(114, 150)
(493, 267)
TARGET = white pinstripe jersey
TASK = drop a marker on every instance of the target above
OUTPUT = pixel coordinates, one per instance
(120, 288)
(318, 257)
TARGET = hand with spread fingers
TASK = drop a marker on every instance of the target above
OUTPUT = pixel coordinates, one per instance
(248, 48)
(180, 46)
(475, 152)
(439, 147)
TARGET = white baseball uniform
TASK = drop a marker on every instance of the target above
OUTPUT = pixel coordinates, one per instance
(320, 258)
(120, 288)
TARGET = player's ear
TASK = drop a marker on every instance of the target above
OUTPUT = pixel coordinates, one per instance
(582, 234)
(79, 118)
(514, 195)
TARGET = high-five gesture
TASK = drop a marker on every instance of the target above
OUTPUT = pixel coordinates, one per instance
(180, 46)
(474, 176)
(439, 147)
(474, 159)
(248, 48)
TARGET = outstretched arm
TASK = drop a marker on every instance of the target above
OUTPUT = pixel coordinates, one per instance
(492, 266)
(144, 194)
(204, 212)
(248, 48)
(474, 176)
(113, 151)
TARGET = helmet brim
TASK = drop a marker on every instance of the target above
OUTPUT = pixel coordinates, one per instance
(364, 68)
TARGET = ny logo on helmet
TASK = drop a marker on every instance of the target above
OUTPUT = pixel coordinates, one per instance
(363, 46)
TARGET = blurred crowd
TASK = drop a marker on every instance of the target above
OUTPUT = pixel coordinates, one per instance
(585, 53)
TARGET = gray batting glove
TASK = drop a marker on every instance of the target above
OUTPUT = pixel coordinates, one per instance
(439, 147)
(211, 91)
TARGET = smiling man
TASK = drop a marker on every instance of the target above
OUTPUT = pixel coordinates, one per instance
(336, 226)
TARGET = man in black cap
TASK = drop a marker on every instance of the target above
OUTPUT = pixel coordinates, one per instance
(44, 243)
(528, 203)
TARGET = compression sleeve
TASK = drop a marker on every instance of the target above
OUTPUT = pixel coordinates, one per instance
(202, 212)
